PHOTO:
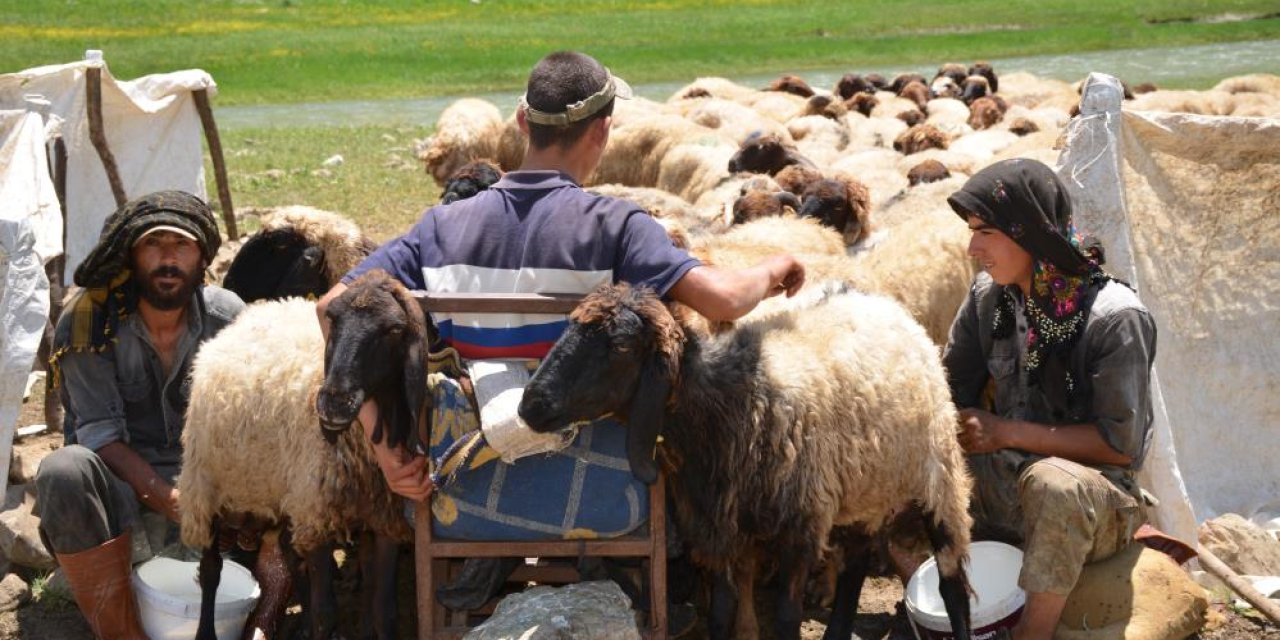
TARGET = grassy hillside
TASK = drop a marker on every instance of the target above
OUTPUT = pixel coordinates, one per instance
(272, 51)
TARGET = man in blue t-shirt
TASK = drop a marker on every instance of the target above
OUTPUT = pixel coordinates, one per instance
(537, 231)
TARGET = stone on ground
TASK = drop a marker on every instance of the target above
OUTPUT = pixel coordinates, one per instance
(583, 611)
(1242, 545)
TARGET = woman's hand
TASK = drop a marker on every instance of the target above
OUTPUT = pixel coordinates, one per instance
(981, 431)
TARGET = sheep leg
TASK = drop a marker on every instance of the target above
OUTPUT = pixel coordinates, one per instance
(724, 607)
(953, 583)
(793, 572)
(323, 602)
(857, 559)
(379, 556)
(272, 570)
(744, 576)
(210, 576)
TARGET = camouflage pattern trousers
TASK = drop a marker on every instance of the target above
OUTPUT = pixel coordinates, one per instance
(1062, 514)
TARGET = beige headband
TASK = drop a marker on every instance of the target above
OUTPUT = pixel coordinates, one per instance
(614, 87)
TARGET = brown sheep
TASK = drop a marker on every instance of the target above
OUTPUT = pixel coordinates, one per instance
(695, 92)
(862, 103)
(952, 70)
(1145, 87)
(825, 106)
(796, 178)
(984, 113)
(765, 153)
(756, 204)
(912, 117)
(903, 80)
(920, 137)
(852, 84)
(791, 84)
(1023, 126)
(876, 80)
(844, 204)
(926, 172)
(916, 92)
(985, 70)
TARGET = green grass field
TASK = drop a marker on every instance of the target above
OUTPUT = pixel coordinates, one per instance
(317, 50)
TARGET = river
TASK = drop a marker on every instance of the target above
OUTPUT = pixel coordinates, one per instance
(1198, 67)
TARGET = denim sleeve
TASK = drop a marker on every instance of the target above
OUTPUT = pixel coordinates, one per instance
(962, 358)
(93, 396)
(1121, 351)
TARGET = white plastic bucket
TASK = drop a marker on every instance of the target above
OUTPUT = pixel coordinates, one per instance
(994, 607)
(169, 599)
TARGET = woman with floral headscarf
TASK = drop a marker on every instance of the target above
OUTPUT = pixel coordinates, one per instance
(1068, 350)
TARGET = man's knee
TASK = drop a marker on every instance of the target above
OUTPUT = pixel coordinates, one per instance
(69, 467)
(1052, 484)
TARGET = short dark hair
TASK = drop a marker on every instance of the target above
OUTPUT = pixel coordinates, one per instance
(557, 81)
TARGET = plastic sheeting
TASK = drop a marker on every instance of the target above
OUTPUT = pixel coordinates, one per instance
(25, 194)
(151, 127)
(1196, 229)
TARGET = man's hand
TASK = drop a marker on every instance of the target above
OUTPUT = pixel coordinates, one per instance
(785, 274)
(171, 508)
(406, 475)
(981, 431)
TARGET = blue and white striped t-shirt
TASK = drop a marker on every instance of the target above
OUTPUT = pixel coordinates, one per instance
(532, 232)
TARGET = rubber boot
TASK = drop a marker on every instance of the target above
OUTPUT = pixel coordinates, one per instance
(100, 581)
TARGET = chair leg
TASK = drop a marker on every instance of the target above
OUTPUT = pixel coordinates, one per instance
(424, 565)
(658, 558)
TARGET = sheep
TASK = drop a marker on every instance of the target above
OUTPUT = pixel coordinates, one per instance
(1253, 83)
(953, 71)
(796, 178)
(889, 105)
(975, 87)
(902, 80)
(985, 70)
(713, 87)
(825, 106)
(690, 170)
(766, 153)
(840, 409)
(733, 120)
(778, 105)
(251, 446)
(876, 168)
(299, 251)
(944, 87)
(874, 131)
(472, 178)
(919, 138)
(791, 84)
(843, 203)
(852, 84)
(818, 138)
(926, 172)
(916, 92)
(912, 117)
(876, 81)
(635, 151)
(864, 103)
(984, 114)
(946, 112)
(1022, 126)
(467, 130)
(1025, 89)
(758, 204)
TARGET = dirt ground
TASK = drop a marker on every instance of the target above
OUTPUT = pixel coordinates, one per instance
(49, 616)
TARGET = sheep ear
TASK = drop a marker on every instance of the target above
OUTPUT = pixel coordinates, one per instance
(415, 393)
(644, 420)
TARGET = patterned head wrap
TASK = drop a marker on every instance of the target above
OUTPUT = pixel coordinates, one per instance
(109, 295)
(1026, 201)
(123, 228)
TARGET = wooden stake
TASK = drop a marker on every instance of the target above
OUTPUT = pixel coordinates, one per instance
(219, 166)
(93, 83)
(1213, 565)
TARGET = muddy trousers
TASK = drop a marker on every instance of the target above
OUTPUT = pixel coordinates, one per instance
(81, 505)
(1065, 515)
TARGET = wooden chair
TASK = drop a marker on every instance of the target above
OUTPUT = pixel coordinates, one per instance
(435, 559)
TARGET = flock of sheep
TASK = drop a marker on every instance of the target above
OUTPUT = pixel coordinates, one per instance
(853, 181)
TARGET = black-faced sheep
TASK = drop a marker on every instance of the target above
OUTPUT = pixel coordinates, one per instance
(765, 153)
(985, 70)
(756, 204)
(471, 179)
(843, 204)
(975, 87)
(794, 85)
(841, 410)
(252, 445)
(300, 251)
(852, 84)
(926, 172)
(918, 138)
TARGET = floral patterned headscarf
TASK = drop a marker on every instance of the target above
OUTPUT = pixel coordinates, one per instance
(1026, 201)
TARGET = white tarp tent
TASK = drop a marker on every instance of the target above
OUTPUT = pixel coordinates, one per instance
(1188, 209)
(151, 126)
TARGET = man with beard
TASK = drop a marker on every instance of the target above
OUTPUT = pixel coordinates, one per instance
(122, 356)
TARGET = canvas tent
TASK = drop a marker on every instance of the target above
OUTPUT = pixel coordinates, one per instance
(1188, 209)
(150, 129)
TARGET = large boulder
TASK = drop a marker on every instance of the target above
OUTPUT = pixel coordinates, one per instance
(1137, 594)
(583, 611)
(1241, 545)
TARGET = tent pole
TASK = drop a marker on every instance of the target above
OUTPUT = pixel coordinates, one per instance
(215, 153)
(93, 81)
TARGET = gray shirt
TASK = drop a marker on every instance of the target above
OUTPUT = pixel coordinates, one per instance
(1110, 366)
(123, 395)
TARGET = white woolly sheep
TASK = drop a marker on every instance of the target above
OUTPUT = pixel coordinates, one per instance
(467, 130)
(841, 411)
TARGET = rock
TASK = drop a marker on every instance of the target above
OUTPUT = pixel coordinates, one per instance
(20, 539)
(334, 160)
(583, 611)
(1241, 545)
(24, 463)
(14, 592)
(1137, 594)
